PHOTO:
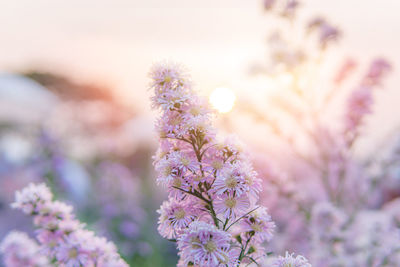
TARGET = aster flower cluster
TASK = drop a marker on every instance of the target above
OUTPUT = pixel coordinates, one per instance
(336, 200)
(289, 54)
(369, 238)
(62, 238)
(20, 250)
(118, 195)
(212, 210)
(291, 261)
(325, 31)
(284, 8)
(361, 99)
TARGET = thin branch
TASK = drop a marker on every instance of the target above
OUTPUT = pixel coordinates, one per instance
(241, 218)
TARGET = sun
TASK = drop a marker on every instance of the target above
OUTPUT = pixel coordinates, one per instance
(222, 99)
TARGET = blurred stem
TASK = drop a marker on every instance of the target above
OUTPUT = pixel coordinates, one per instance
(242, 252)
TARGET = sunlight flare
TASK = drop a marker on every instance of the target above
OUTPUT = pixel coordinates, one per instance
(223, 99)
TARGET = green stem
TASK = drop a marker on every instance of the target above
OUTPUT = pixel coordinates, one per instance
(241, 218)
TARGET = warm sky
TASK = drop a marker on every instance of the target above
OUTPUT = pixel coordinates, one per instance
(116, 42)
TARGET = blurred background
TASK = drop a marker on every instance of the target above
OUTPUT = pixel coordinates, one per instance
(75, 109)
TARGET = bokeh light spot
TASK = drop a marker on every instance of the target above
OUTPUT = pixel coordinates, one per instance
(223, 99)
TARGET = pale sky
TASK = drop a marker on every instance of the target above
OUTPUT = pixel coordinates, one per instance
(116, 42)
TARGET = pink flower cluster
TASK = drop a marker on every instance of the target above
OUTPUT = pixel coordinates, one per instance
(285, 8)
(326, 32)
(367, 238)
(212, 210)
(291, 261)
(361, 99)
(62, 238)
(19, 250)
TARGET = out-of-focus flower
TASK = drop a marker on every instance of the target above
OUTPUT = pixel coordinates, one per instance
(345, 70)
(327, 199)
(361, 99)
(377, 70)
(19, 250)
(268, 4)
(62, 236)
(291, 260)
(326, 32)
(359, 105)
(32, 198)
(289, 8)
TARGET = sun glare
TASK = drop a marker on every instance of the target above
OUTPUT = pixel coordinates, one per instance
(222, 99)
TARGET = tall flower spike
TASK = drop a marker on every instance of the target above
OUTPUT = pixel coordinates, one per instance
(361, 99)
(62, 237)
(212, 210)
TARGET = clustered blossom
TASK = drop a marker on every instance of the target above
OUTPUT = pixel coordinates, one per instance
(121, 211)
(291, 261)
(62, 238)
(212, 210)
(284, 8)
(203, 244)
(348, 66)
(336, 213)
(268, 4)
(361, 99)
(19, 250)
(370, 238)
(326, 32)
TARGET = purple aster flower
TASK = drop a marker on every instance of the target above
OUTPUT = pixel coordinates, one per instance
(71, 252)
(204, 244)
(231, 205)
(258, 224)
(231, 180)
(175, 216)
(291, 261)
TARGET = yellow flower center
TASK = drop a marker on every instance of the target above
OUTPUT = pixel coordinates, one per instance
(210, 246)
(167, 79)
(179, 214)
(167, 171)
(177, 182)
(195, 111)
(73, 253)
(231, 182)
(256, 227)
(230, 203)
(185, 161)
(217, 165)
(52, 244)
